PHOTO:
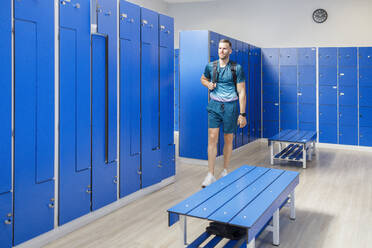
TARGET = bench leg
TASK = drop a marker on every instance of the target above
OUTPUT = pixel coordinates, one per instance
(304, 156)
(251, 244)
(292, 215)
(310, 146)
(276, 228)
(314, 147)
(183, 224)
(271, 152)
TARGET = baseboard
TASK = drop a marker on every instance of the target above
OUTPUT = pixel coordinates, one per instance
(61, 231)
(344, 147)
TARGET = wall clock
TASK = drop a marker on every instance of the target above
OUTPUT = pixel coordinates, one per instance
(320, 15)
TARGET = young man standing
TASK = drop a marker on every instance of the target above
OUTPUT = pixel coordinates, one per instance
(226, 83)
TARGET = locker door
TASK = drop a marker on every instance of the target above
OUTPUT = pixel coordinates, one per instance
(288, 93)
(328, 56)
(166, 94)
(307, 113)
(103, 173)
(288, 74)
(151, 170)
(327, 75)
(365, 116)
(288, 112)
(284, 124)
(270, 128)
(6, 220)
(34, 119)
(307, 94)
(107, 25)
(348, 96)
(176, 89)
(75, 106)
(365, 136)
(288, 56)
(308, 126)
(130, 112)
(347, 76)
(327, 133)
(327, 94)
(348, 115)
(251, 93)
(365, 76)
(258, 94)
(270, 92)
(307, 75)
(271, 111)
(270, 74)
(249, 107)
(328, 114)
(365, 97)
(213, 39)
(5, 97)
(270, 56)
(306, 56)
(347, 56)
(365, 56)
(348, 135)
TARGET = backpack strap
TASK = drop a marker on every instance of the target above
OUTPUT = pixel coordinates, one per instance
(233, 71)
(215, 72)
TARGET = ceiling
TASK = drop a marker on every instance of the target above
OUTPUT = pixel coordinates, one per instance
(187, 1)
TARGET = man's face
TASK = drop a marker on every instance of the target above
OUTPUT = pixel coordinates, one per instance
(224, 50)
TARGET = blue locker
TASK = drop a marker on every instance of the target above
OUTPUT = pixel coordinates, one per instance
(258, 94)
(130, 98)
(307, 94)
(307, 126)
(365, 136)
(365, 117)
(34, 119)
(365, 56)
(104, 189)
(307, 113)
(288, 112)
(328, 75)
(348, 95)
(5, 98)
(328, 114)
(176, 89)
(288, 74)
(348, 135)
(327, 133)
(150, 138)
(214, 42)
(6, 220)
(250, 105)
(270, 92)
(347, 56)
(288, 93)
(270, 111)
(365, 97)
(107, 24)
(288, 56)
(270, 56)
(365, 76)
(307, 75)
(251, 96)
(166, 53)
(75, 109)
(270, 74)
(327, 56)
(270, 128)
(327, 94)
(348, 115)
(306, 56)
(347, 76)
(288, 124)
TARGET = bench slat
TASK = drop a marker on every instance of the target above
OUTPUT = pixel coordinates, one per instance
(213, 242)
(289, 151)
(198, 241)
(294, 155)
(283, 151)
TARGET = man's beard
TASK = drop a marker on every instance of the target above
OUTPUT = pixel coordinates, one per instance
(222, 56)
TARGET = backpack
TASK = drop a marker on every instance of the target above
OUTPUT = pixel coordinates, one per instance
(226, 230)
(232, 68)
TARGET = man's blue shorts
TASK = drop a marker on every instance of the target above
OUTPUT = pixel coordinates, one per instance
(225, 113)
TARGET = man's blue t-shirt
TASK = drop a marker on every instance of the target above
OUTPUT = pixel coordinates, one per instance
(225, 90)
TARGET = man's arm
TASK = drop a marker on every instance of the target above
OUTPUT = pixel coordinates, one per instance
(240, 88)
(207, 83)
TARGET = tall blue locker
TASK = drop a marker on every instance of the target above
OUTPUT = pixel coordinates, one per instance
(257, 91)
(150, 104)
(166, 89)
(6, 227)
(176, 89)
(251, 96)
(239, 60)
(34, 119)
(104, 109)
(130, 101)
(104, 179)
(248, 109)
(75, 111)
(234, 57)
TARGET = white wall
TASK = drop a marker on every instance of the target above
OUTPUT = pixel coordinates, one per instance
(279, 23)
(156, 5)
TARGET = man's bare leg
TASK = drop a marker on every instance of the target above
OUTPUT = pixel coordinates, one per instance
(212, 148)
(227, 149)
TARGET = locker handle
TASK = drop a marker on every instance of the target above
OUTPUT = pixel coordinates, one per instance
(160, 165)
(342, 93)
(8, 222)
(51, 205)
(123, 16)
(108, 13)
(77, 6)
(63, 2)
(144, 22)
(299, 93)
(162, 27)
(342, 74)
(139, 172)
(88, 191)
(334, 87)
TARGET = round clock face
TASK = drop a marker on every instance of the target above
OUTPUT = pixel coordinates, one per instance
(320, 15)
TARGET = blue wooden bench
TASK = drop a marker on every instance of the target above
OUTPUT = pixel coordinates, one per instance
(249, 197)
(298, 146)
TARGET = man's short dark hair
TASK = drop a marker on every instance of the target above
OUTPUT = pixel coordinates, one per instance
(226, 41)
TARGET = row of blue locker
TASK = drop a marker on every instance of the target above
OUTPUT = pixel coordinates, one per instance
(194, 97)
(88, 156)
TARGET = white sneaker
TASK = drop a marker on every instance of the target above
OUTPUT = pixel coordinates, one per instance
(208, 180)
(223, 173)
